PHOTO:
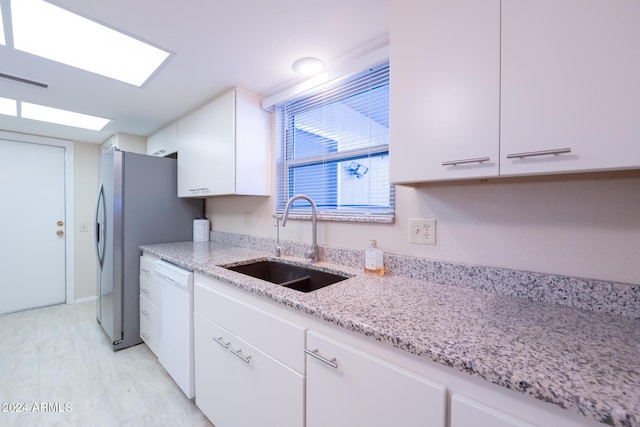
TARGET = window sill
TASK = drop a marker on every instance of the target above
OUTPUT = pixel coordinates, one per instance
(368, 219)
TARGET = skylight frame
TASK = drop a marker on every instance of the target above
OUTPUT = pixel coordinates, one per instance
(62, 117)
(46, 30)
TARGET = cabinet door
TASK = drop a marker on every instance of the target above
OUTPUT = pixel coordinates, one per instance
(163, 142)
(206, 164)
(570, 81)
(247, 389)
(445, 90)
(469, 413)
(253, 146)
(365, 391)
(149, 323)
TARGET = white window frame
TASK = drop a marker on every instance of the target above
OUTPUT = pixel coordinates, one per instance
(284, 164)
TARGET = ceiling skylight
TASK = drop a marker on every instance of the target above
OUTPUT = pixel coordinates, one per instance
(62, 117)
(8, 107)
(51, 32)
(2, 40)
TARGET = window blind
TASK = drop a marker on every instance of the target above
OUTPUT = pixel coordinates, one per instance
(333, 146)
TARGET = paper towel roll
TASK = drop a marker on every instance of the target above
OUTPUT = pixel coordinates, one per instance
(200, 230)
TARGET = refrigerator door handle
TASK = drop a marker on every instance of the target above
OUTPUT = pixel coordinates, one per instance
(100, 226)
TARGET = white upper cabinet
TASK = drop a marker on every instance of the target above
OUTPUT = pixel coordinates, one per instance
(224, 148)
(445, 89)
(570, 73)
(513, 87)
(163, 142)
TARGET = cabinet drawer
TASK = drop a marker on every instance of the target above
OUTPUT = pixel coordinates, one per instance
(148, 310)
(149, 334)
(277, 337)
(149, 290)
(147, 267)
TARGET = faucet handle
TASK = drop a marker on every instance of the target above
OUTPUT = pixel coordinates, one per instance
(312, 255)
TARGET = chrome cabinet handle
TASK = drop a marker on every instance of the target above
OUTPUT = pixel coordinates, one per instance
(245, 359)
(145, 312)
(315, 354)
(199, 189)
(144, 291)
(463, 161)
(220, 341)
(538, 153)
(145, 270)
(158, 152)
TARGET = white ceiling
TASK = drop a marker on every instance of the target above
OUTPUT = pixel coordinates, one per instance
(215, 45)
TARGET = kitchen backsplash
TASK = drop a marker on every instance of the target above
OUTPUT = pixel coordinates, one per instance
(587, 294)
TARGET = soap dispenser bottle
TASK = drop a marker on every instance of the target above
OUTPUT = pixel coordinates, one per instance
(374, 259)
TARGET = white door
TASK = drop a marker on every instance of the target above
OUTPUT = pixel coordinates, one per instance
(32, 225)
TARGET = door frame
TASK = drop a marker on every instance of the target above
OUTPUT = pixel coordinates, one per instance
(69, 201)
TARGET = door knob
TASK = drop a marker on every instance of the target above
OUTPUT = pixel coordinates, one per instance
(60, 223)
(60, 233)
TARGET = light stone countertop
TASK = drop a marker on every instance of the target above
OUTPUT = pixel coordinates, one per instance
(585, 361)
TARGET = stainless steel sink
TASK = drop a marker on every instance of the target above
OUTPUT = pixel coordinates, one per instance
(288, 275)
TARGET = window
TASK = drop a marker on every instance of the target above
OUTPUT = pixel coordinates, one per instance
(333, 146)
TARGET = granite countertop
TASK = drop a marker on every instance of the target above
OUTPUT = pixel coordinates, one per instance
(585, 361)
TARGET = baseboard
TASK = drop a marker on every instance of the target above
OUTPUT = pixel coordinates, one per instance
(87, 299)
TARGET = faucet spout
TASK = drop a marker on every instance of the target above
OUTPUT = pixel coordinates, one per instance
(313, 253)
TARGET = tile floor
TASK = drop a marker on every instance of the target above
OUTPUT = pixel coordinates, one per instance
(60, 357)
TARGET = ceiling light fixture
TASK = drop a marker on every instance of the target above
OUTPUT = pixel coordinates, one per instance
(51, 32)
(308, 66)
(3, 42)
(62, 117)
(8, 107)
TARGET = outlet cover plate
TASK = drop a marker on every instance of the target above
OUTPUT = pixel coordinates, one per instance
(422, 231)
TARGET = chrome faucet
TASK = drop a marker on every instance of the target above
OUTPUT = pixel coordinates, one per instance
(277, 226)
(313, 253)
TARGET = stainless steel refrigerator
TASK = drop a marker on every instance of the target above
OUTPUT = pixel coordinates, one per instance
(137, 204)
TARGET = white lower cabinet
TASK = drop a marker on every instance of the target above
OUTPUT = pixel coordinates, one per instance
(238, 385)
(249, 363)
(348, 387)
(466, 412)
(149, 302)
(258, 363)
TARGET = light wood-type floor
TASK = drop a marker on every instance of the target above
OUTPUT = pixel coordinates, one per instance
(57, 369)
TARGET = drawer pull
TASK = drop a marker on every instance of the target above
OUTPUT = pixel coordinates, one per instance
(145, 270)
(144, 291)
(159, 152)
(199, 189)
(245, 359)
(145, 312)
(315, 354)
(463, 161)
(220, 341)
(538, 153)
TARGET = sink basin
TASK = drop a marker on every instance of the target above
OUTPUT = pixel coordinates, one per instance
(290, 276)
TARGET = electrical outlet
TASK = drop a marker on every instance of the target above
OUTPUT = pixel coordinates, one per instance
(422, 231)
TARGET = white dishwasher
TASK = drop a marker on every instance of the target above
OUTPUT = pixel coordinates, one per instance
(175, 328)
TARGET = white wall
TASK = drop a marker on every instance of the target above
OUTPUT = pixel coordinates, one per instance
(586, 226)
(87, 161)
